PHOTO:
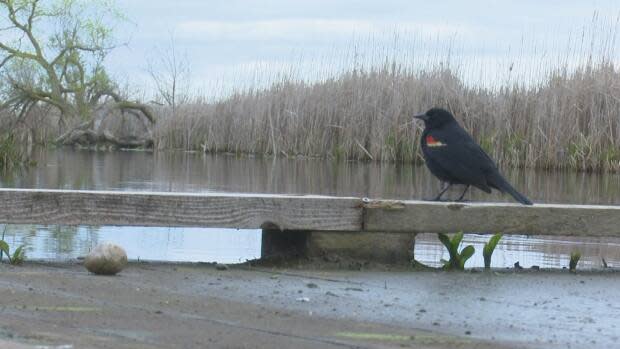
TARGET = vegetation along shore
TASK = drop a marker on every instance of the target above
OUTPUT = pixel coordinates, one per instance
(56, 91)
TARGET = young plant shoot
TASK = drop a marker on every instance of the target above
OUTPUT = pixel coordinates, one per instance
(457, 259)
(489, 247)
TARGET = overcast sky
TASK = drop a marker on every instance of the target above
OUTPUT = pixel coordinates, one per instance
(239, 43)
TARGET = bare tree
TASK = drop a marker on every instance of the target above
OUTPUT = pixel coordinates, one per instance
(170, 72)
(52, 52)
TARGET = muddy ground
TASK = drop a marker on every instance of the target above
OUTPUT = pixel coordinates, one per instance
(200, 306)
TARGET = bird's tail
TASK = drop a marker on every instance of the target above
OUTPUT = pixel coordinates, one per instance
(502, 184)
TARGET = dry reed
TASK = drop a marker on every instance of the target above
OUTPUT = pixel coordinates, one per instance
(569, 120)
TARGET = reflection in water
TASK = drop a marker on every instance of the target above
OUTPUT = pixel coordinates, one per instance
(191, 172)
(141, 243)
(545, 252)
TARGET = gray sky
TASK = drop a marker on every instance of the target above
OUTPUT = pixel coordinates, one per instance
(235, 44)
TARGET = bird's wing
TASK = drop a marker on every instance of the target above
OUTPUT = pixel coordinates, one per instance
(465, 161)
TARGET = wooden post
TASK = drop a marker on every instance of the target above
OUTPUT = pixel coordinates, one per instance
(337, 247)
(379, 247)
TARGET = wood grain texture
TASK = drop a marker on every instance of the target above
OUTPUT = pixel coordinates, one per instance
(542, 219)
(299, 213)
(243, 211)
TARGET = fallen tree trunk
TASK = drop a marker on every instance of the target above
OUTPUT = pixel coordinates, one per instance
(120, 124)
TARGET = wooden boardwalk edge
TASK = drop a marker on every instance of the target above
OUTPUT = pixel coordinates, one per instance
(300, 213)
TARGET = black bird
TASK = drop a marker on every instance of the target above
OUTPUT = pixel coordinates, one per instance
(454, 157)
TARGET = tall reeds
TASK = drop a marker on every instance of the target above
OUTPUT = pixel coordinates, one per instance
(570, 119)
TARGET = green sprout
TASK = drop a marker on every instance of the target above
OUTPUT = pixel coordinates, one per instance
(574, 259)
(457, 259)
(18, 255)
(489, 247)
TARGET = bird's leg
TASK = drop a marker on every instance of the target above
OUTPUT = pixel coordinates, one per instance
(463, 194)
(438, 197)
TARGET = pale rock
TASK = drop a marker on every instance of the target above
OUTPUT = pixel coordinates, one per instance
(106, 259)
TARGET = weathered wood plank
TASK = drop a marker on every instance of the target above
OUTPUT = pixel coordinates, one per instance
(300, 213)
(249, 211)
(541, 219)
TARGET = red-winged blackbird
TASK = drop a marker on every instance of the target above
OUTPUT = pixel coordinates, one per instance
(454, 157)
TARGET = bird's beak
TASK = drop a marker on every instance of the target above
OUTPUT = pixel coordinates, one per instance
(422, 116)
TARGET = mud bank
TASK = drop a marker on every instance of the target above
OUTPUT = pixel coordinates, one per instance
(196, 306)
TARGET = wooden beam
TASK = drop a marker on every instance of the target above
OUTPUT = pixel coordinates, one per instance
(300, 213)
(242, 211)
(446, 217)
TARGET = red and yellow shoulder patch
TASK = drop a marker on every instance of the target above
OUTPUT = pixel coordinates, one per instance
(432, 142)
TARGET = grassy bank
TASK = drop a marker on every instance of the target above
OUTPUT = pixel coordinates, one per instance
(569, 119)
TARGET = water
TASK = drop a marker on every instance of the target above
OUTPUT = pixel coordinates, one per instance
(192, 172)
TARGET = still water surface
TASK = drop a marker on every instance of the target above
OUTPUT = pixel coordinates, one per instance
(191, 172)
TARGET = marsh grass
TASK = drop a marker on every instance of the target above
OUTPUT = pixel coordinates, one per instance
(13, 152)
(18, 136)
(571, 119)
